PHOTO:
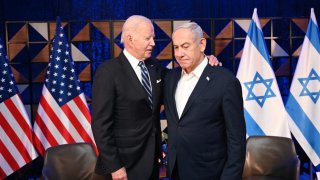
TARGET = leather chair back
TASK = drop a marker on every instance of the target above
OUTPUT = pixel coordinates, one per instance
(69, 161)
(270, 157)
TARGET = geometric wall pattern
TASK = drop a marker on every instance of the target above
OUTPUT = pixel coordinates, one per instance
(92, 42)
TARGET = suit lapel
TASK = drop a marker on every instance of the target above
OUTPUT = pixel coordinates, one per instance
(205, 79)
(132, 77)
(173, 87)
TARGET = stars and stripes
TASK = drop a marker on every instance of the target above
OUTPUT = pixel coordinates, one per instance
(63, 116)
(16, 136)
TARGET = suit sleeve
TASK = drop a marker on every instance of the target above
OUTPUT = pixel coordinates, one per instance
(103, 95)
(236, 131)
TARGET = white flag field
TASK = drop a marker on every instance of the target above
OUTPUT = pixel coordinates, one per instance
(264, 110)
(303, 104)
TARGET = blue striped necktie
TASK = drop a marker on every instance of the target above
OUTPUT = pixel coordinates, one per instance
(145, 81)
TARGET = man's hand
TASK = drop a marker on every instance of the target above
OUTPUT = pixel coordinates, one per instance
(120, 174)
(213, 61)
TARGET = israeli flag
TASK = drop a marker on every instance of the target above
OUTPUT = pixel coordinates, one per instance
(303, 103)
(263, 106)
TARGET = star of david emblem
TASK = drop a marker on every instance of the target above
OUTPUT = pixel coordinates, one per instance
(254, 95)
(313, 91)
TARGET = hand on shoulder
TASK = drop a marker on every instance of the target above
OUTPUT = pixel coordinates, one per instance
(120, 174)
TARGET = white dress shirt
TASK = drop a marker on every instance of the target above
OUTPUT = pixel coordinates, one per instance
(134, 63)
(186, 85)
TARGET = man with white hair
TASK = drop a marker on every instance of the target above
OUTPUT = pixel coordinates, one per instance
(204, 109)
(127, 94)
(126, 105)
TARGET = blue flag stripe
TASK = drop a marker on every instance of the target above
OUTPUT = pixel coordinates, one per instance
(256, 37)
(252, 127)
(313, 35)
(304, 123)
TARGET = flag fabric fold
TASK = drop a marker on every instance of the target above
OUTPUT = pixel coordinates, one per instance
(264, 110)
(63, 116)
(16, 136)
(303, 104)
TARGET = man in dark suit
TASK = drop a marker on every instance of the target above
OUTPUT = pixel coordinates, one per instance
(204, 109)
(126, 94)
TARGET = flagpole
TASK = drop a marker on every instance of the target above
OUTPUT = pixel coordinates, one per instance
(310, 170)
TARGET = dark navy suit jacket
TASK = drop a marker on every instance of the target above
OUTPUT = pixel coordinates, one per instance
(209, 140)
(125, 128)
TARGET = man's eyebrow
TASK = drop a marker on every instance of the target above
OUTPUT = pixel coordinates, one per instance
(185, 43)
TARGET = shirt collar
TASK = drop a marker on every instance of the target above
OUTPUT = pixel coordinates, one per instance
(199, 69)
(132, 60)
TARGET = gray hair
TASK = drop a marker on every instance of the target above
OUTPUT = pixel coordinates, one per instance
(131, 24)
(193, 27)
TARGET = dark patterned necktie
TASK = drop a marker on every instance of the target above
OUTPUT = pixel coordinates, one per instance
(145, 81)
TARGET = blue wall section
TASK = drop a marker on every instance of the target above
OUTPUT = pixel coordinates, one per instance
(162, 9)
(47, 10)
(35, 10)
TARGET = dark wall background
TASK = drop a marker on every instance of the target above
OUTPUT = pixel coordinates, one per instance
(47, 10)
(162, 9)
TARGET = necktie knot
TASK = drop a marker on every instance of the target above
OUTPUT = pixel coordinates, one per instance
(142, 65)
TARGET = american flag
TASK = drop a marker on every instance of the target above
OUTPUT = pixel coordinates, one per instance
(16, 146)
(63, 116)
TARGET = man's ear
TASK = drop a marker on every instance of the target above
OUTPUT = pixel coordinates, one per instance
(129, 39)
(202, 44)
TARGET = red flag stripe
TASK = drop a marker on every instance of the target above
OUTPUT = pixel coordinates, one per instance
(8, 157)
(5, 166)
(78, 113)
(11, 148)
(50, 127)
(45, 130)
(38, 144)
(83, 107)
(64, 119)
(75, 122)
(15, 139)
(20, 119)
(2, 173)
(56, 121)
(87, 126)
(80, 116)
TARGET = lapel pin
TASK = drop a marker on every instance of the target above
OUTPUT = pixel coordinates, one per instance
(208, 79)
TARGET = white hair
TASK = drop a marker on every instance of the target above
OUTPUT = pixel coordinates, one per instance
(131, 24)
(193, 27)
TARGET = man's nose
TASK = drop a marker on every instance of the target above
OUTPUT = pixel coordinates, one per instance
(152, 43)
(178, 52)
